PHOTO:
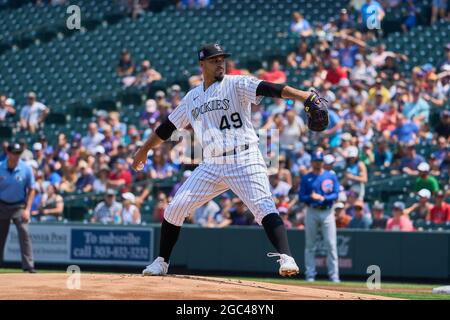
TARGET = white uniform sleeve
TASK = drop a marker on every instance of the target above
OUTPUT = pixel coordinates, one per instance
(246, 89)
(179, 116)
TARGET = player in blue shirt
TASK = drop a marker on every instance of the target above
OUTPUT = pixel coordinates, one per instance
(16, 197)
(319, 189)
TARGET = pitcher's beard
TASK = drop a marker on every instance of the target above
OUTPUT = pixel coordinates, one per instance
(219, 77)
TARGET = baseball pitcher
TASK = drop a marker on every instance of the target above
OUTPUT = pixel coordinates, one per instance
(219, 111)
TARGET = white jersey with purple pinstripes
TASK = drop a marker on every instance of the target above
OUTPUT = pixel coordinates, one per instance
(221, 114)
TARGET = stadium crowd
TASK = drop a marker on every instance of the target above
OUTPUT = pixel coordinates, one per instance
(378, 117)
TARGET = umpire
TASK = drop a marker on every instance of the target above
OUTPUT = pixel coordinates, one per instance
(319, 189)
(16, 197)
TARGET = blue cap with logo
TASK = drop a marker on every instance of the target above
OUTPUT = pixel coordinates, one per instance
(317, 156)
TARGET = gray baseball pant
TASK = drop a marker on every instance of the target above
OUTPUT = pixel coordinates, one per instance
(14, 213)
(321, 221)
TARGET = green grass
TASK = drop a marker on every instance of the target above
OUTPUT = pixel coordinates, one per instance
(11, 270)
(410, 296)
(360, 287)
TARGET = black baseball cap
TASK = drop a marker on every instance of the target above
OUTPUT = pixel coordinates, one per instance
(15, 148)
(211, 50)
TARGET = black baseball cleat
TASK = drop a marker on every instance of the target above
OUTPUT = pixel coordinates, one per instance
(30, 270)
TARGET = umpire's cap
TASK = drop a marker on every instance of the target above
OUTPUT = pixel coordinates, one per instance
(211, 50)
(15, 148)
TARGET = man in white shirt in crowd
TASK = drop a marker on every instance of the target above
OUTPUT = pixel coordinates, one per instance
(93, 139)
(33, 113)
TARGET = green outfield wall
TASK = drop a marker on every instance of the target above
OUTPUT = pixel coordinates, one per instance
(424, 255)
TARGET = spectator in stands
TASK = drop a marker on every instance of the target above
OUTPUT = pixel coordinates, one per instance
(278, 186)
(220, 218)
(425, 180)
(231, 69)
(379, 221)
(160, 206)
(130, 213)
(301, 58)
(444, 64)
(367, 154)
(160, 167)
(390, 70)
(93, 139)
(202, 215)
(284, 214)
(147, 75)
(33, 114)
(120, 178)
(284, 169)
(68, 180)
(300, 25)
(239, 214)
(62, 147)
(411, 17)
(335, 72)
(411, 160)
(355, 173)
(26, 155)
(151, 112)
(294, 128)
(108, 211)
(302, 160)
(399, 221)
(51, 206)
(328, 162)
(275, 75)
(388, 121)
(371, 15)
(378, 58)
(126, 65)
(383, 155)
(440, 212)
(86, 179)
(417, 109)
(420, 210)
(342, 218)
(100, 184)
(434, 93)
(443, 148)
(344, 23)
(443, 127)
(110, 143)
(39, 154)
(53, 170)
(374, 116)
(438, 10)
(379, 88)
(192, 4)
(6, 108)
(406, 131)
(334, 129)
(361, 71)
(434, 166)
(115, 123)
(359, 220)
(348, 49)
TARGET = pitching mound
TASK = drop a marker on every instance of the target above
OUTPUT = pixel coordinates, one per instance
(173, 287)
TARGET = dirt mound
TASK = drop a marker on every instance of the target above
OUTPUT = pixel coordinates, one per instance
(173, 287)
